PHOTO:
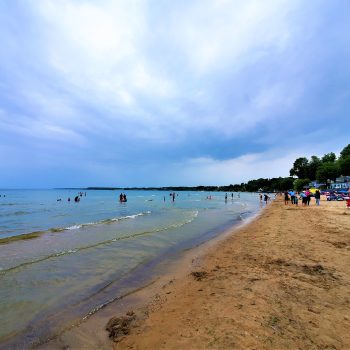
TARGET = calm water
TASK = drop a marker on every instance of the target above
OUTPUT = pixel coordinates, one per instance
(92, 252)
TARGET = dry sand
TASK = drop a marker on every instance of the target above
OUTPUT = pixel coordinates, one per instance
(280, 282)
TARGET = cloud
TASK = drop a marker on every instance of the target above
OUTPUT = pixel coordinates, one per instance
(171, 85)
(217, 34)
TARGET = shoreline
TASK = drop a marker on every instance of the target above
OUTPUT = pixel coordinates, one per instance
(279, 282)
(91, 333)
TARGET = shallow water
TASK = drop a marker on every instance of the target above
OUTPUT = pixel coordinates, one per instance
(99, 250)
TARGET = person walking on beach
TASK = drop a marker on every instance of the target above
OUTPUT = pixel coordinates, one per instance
(308, 196)
(260, 196)
(303, 199)
(286, 198)
(317, 197)
(296, 198)
(292, 196)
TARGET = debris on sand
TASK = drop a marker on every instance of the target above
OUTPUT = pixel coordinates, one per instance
(120, 326)
(199, 275)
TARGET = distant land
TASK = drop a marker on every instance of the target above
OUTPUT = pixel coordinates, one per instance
(167, 188)
(323, 170)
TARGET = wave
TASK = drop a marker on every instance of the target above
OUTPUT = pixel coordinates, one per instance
(16, 213)
(245, 215)
(109, 241)
(36, 234)
(23, 212)
(107, 221)
(74, 227)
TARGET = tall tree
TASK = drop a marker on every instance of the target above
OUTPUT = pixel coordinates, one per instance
(300, 168)
(345, 152)
(314, 163)
(344, 165)
(329, 158)
(327, 171)
(300, 183)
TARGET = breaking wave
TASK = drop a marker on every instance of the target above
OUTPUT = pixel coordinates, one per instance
(109, 241)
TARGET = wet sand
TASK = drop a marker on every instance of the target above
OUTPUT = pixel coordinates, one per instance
(280, 282)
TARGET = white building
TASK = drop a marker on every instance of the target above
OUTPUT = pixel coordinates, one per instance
(342, 182)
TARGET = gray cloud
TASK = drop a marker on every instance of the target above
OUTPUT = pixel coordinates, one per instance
(133, 89)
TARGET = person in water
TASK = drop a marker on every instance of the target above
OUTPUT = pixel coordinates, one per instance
(122, 198)
(266, 198)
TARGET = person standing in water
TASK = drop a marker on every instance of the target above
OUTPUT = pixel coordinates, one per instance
(266, 198)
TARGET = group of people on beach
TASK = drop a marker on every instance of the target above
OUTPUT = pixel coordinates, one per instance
(304, 196)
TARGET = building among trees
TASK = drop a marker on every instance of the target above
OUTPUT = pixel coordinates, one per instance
(342, 182)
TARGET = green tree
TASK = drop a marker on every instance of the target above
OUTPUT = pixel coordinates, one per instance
(344, 165)
(314, 163)
(300, 168)
(327, 171)
(345, 152)
(300, 183)
(281, 183)
(329, 158)
(286, 183)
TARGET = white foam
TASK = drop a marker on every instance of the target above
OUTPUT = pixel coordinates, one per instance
(74, 227)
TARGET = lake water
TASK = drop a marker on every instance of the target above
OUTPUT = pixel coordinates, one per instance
(87, 254)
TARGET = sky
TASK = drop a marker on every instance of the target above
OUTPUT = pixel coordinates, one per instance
(169, 93)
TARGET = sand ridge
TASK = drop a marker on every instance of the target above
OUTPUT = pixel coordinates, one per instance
(281, 282)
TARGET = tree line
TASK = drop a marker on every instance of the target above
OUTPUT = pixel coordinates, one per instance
(329, 167)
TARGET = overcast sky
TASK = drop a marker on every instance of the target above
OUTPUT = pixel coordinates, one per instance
(153, 93)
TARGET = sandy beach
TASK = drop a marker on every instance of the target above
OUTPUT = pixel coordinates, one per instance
(279, 282)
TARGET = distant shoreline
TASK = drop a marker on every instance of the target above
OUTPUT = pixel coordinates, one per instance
(167, 188)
